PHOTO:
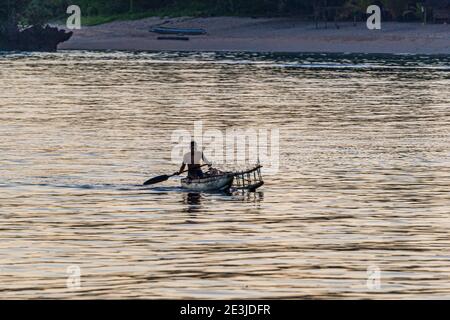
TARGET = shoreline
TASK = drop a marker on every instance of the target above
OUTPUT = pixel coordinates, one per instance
(337, 53)
(271, 35)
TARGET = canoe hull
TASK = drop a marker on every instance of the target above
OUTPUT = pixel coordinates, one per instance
(211, 184)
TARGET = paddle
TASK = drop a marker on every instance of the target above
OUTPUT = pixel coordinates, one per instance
(165, 177)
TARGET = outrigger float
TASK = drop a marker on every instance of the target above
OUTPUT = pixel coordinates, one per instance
(218, 181)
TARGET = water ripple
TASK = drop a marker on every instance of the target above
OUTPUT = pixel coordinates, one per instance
(364, 176)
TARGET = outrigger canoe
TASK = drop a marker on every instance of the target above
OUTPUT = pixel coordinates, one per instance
(216, 180)
(179, 31)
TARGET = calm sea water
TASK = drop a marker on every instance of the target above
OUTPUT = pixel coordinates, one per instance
(363, 183)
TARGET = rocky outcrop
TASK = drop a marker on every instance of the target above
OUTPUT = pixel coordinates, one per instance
(35, 38)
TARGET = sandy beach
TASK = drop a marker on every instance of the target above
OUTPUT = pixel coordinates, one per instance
(266, 34)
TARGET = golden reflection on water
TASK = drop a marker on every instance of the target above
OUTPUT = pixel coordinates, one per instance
(364, 176)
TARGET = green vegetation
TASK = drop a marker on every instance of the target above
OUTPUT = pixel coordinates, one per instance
(37, 12)
(18, 14)
(96, 19)
(193, 7)
(101, 19)
(27, 12)
(394, 9)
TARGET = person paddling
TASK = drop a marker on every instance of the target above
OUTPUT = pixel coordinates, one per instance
(193, 160)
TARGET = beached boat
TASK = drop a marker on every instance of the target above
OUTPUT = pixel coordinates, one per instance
(221, 182)
(179, 31)
(178, 38)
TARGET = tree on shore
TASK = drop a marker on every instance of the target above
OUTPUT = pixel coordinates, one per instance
(15, 13)
(22, 25)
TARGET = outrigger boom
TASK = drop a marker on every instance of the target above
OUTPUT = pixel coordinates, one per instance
(249, 179)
